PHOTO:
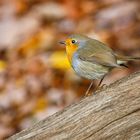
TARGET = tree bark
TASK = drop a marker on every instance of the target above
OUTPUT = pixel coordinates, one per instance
(112, 113)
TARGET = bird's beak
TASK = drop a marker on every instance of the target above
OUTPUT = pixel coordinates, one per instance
(62, 42)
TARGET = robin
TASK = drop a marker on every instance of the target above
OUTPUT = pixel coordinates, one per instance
(92, 59)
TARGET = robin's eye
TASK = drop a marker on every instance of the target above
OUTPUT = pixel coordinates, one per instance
(73, 41)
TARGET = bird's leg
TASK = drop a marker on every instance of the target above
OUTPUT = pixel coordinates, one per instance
(91, 84)
(88, 90)
(100, 82)
(98, 87)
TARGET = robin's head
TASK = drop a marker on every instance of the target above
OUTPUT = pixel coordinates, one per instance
(74, 42)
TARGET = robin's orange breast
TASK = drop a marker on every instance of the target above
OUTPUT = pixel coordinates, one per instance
(70, 49)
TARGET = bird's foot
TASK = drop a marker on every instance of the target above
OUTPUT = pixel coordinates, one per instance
(101, 87)
(88, 94)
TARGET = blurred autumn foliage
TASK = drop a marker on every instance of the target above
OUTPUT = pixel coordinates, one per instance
(35, 77)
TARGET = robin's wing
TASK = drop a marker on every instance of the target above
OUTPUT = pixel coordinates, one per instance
(97, 52)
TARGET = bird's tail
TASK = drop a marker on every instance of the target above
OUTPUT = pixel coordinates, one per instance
(124, 59)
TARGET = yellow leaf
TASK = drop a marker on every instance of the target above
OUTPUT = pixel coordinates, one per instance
(40, 105)
(59, 60)
(2, 65)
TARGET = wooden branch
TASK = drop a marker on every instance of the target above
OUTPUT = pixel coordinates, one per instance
(110, 114)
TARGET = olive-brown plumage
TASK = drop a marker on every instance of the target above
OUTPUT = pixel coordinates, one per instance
(91, 58)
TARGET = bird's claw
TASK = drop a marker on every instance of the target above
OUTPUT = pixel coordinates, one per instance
(101, 87)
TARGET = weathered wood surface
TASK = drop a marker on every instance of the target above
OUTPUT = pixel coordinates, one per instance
(110, 114)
